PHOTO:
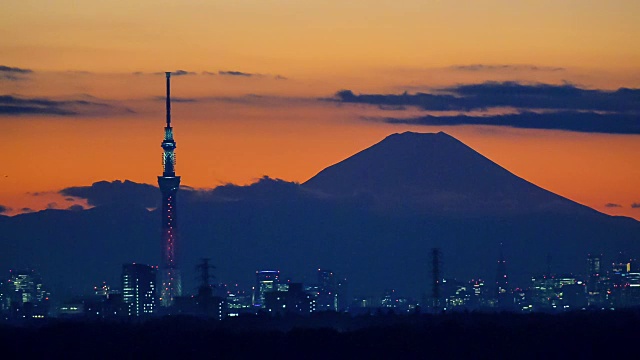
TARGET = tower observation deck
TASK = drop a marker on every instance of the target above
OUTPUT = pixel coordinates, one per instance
(169, 183)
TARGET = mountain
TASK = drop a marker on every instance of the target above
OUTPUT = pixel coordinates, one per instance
(435, 174)
(371, 218)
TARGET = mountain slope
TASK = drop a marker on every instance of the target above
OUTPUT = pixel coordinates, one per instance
(437, 174)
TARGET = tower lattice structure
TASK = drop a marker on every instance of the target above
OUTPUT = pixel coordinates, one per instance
(169, 183)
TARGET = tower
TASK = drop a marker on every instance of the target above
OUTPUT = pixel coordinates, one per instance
(169, 183)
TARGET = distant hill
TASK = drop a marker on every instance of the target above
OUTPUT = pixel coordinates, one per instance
(371, 218)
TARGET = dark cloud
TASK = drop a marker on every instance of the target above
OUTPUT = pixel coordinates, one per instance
(280, 77)
(505, 67)
(27, 210)
(52, 205)
(13, 105)
(235, 73)
(104, 192)
(182, 72)
(148, 196)
(13, 73)
(541, 106)
(566, 120)
(265, 188)
(4, 209)
(176, 99)
(635, 205)
(175, 73)
(506, 94)
(17, 70)
(612, 205)
(76, 207)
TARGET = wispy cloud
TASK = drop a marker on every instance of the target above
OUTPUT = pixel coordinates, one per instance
(173, 73)
(566, 120)
(635, 205)
(505, 67)
(13, 105)
(486, 95)
(13, 73)
(176, 99)
(235, 73)
(612, 205)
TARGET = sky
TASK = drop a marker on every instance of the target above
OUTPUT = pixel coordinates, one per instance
(546, 89)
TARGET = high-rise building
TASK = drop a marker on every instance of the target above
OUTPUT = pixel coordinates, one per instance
(594, 271)
(502, 283)
(327, 296)
(266, 281)
(139, 289)
(169, 183)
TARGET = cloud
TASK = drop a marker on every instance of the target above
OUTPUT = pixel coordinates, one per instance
(235, 73)
(13, 73)
(104, 192)
(13, 105)
(540, 106)
(27, 210)
(182, 73)
(130, 193)
(76, 207)
(566, 120)
(487, 95)
(173, 73)
(612, 205)
(176, 99)
(4, 209)
(52, 205)
(635, 205)
(505, 67)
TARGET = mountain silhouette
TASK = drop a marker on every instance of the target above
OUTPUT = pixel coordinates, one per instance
(436, 174)
(371, 218)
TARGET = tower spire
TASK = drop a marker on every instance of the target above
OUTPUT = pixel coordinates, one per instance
(168, 73)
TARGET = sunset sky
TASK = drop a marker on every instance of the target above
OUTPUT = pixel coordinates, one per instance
(81, 100)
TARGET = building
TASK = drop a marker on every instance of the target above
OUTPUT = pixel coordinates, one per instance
(327, 295)
(169, 183)
(292, 301)
(594, 282)
(24, 295)
(266, 281)
(504, 300)
(139, 289)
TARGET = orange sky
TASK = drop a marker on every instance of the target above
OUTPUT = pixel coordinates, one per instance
(320, 47)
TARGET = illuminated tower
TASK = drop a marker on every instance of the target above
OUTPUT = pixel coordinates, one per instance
(169, 184)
